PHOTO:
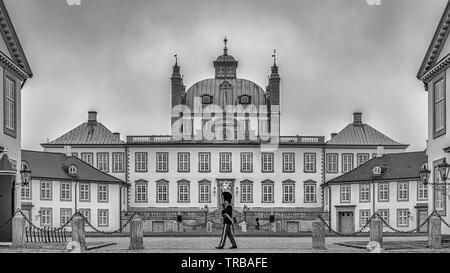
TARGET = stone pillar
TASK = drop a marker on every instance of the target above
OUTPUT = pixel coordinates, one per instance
(376, 230)
(273, 227)
(136, 234)
(175, 226)
(180, 226)
(209, 226)
(79, 232)
(18, 231)
(318, 235)
(434, 233)
(243, 227)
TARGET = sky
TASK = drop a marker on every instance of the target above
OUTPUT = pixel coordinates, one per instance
(335, 57)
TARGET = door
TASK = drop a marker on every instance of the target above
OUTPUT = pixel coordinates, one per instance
(158, 226)
(346, 222)
(422, 216)
(6, 207)
(225, 186)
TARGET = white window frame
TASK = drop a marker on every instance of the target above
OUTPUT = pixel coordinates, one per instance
(66, 191)
(85, 192)
(162, 162)
(310, 162)
(310, 193)
(184, 162)
(345, 193)
(225, 162)
(103, 193)
(141, 162)
(267, 161)
(118, 162)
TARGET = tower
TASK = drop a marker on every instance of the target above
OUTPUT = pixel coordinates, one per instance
(225, 65)
(177, 87)
(273, 91)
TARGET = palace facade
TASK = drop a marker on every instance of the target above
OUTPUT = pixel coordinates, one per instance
(225, 137)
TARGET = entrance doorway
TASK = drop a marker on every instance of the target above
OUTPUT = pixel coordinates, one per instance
(6, 206)
(225, 185)
(346, 222)
(422, 215)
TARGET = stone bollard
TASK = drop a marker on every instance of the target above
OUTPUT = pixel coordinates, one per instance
(18, 231)
(434, 233)
(79, 232)
(174, 226)
(180, 227)
(209, 226)
(376, 230)
(318, 235)
(136, 234)
(273, 227)
(243, 227)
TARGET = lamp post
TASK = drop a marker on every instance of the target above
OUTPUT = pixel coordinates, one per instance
(443, 169)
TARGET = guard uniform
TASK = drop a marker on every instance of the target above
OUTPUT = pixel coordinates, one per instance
(227, 231)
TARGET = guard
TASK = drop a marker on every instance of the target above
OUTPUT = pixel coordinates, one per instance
(227, 214)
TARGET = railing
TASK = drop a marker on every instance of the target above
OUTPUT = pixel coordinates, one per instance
(169, 139)
(46, 234)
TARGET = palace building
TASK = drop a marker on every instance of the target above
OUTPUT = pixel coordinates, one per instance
(225, 137)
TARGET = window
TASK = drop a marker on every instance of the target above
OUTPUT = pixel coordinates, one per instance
(362, 158)
(88, 158)
(204, 192)
(267, 162)
(364, 216)
(402, 217)
(73, 170)
(183, 162)
(422, 191)
(383, 192)
(65, 216)
(439, 191)
(141, 192)
(267, 192)
(225, 162)
(345, 194)
(46, 190)
(246, 162)
(162, 191)
(9, 112)
(26, 191)
(310, 193)
(288, 162)
(347, 162)
(289, 192)
(332, 163)
(85, 193)
(204, 162)
(244, 99)
(402, 191)
(162, 162)
(439, 99)
(66, 191)
(207, 99)
(310, 163)
(86, 213)
(183, 191)
(141, 162)
(103, 195)
(364, 192)
(103, 162)
(246, 192)
(102, 217)
(384, 213)
(118, 162)
(46, 217)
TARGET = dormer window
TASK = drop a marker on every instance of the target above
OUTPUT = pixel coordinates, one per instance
(207, 99)
(73, 170)
(245, 99)
(377, 170)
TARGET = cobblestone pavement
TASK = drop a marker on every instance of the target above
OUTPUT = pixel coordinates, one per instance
(245, 244)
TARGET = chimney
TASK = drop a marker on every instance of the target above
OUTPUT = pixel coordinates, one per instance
(117, 135)
(68, 150)
(380, 151)
(92, 117)
(357, 118)
(333, 135)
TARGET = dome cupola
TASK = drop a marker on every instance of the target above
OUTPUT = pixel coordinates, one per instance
(225, 65)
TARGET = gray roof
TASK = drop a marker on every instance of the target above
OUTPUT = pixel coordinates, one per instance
(239, 87)
(88, 133)
(362, 134)
(54, 165)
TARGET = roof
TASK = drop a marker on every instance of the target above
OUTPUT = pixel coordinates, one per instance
(12, 41)
(395, 166)
(437, 43)
(88, 133)
(239, 87)
(5, 165)
(362, 134)
(53, 165)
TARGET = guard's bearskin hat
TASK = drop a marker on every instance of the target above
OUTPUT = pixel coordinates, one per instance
(227, 196)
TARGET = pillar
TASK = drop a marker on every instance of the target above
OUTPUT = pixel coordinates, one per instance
(209, 226)
(79, 232)
(376, 230)
(18, 231)
(318, 235)
(136, 234)
(434, 232)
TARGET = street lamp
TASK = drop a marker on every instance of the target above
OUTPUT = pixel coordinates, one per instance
(424, 174)
(444, 169)
(25, 174)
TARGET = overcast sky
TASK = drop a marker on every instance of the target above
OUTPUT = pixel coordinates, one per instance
(116, 57)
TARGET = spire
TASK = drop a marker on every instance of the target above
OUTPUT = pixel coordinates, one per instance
(176, 68)
(274, 67)
(176, 59)
(225, 49)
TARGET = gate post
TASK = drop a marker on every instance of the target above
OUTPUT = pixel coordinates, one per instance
(318, 235)
(209, 226)
(376, 230)
(18, 231)
(78, 231)
(136, 234)
(434, 232)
